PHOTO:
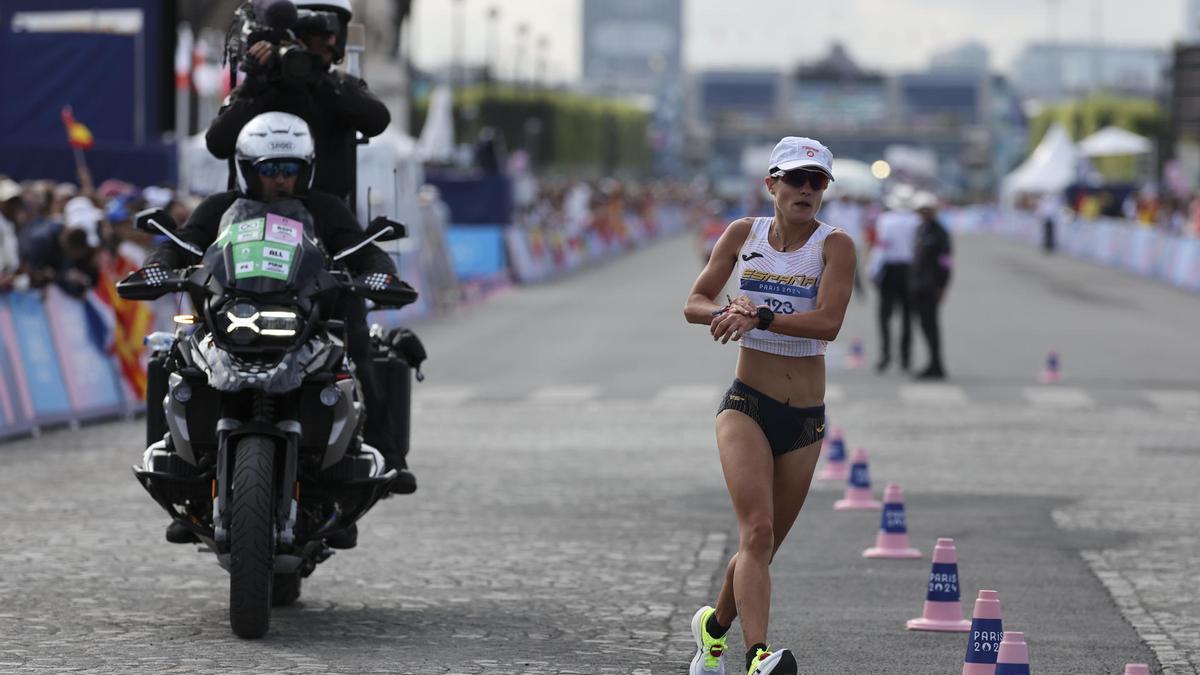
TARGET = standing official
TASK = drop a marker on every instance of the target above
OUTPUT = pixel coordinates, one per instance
(930, 276)
(894, 233)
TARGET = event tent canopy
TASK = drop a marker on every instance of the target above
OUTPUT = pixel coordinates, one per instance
(1051, 168)
(1114, 142)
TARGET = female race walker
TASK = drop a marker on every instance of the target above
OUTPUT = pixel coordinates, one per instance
(795, 275)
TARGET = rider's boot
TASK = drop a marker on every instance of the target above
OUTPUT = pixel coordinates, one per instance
(178, 534)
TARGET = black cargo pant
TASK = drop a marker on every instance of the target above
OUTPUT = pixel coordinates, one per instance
(379, 430)
(893, 292)
(925, 302)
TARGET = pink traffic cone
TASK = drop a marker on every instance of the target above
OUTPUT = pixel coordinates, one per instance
(858, 488)
(1013, 658)
(855, 358)
(943, 610)
(836, 467)
(892, 540)
(1053, 371)
(1137, 669)
(987, 630)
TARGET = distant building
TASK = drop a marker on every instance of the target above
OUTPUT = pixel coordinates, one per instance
(836, 92)
(969, 118)
(1054, 71)
(743, 97)
(970, 57)
(632, 46)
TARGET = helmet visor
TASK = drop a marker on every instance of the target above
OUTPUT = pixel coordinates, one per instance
(288, 168)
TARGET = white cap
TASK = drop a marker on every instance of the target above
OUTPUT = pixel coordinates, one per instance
(81, 214)
(795, 152)
(8, 189)
(157, 197)
(924, 200)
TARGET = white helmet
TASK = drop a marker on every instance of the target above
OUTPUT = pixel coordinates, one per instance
(273, 135)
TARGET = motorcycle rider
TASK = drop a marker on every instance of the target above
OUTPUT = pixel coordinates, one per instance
(274, 162)
(333, 103)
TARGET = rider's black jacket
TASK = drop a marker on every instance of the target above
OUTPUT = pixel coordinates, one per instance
(334, 107)
(335, 224)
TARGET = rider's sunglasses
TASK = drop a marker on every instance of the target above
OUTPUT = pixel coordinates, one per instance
(287, 168)
(798, 177)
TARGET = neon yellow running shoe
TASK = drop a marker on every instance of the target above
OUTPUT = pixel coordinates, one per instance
(709, 650)
(767, 662)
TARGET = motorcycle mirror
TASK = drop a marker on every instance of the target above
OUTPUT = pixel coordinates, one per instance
(147, 220)
(380, 229)
(158, 221)
(380, 223)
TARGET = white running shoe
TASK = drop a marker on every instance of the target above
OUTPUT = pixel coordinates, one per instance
(710, 651)
(773, 663)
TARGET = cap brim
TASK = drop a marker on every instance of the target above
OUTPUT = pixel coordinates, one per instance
(801, 164)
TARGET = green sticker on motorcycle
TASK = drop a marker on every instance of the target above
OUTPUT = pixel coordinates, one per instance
(244, 231)
(263, 247)
(262, 259)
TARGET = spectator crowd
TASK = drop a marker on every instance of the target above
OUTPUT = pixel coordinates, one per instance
(75, 236)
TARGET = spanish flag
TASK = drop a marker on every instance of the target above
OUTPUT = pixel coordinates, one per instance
(78, 135)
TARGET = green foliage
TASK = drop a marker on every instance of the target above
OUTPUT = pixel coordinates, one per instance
(564, 133)
(1085, 117)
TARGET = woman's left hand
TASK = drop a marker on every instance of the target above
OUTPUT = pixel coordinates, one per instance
(731, 326)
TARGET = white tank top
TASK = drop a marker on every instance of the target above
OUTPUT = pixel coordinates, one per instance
(787, 283)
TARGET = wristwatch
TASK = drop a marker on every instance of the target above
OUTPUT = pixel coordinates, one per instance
(765, 317)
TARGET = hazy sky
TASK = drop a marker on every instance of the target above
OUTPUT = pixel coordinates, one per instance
(884, 34)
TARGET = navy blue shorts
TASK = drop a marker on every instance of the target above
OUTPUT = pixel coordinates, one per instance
(786, 428)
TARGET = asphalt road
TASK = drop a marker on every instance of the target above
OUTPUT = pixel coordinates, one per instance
(572, 515)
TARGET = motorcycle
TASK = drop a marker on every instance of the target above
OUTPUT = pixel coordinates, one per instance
(262, 458)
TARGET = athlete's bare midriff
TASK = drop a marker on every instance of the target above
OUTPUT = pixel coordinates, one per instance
(798, 381)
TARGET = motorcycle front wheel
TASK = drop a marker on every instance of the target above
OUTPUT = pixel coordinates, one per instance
(251, 537)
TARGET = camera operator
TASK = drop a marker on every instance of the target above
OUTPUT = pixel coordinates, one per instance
(282, 78)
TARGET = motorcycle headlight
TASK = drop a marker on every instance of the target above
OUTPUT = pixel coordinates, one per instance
(245, 322)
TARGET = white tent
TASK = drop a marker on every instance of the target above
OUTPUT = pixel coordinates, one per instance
(437, 135)
(1051, 168)
(1114, 142)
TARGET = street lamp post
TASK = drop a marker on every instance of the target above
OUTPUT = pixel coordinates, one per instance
(457, 77)
(543, 44)
(493, 16)
(519, 55)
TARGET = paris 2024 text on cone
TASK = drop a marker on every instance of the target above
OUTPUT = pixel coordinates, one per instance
(892, 540)
(1013, 658)
(983, 642)
(858, 495)
(943, 609)
(835, 467)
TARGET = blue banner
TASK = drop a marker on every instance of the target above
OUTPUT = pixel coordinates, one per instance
(893, 521)
(477, 251)
(984, 640)
(1012, 669)
(42, 372)
(859, 476)
(943, 583)
(16, 411)
(92, 384)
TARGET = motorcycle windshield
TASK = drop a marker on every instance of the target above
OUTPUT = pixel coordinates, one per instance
(265, 248)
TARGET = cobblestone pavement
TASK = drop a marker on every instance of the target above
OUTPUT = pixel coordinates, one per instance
(571, 538)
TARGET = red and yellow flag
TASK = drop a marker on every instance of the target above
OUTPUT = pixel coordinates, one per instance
(133, 321)
(78, 135)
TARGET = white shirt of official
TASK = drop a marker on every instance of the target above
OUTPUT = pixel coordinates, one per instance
(895, 235)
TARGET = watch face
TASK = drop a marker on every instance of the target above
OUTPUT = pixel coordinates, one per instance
(765, 314)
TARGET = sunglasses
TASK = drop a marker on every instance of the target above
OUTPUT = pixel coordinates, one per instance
(798, 177)
(287, 169)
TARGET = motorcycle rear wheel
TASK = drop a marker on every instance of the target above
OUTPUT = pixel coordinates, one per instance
(251, 537)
